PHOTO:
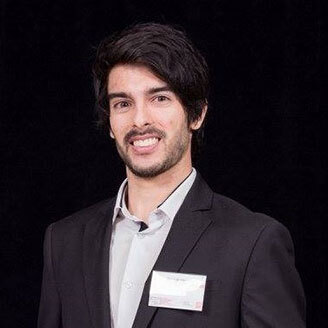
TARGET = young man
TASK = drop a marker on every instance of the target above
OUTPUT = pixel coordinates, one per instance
(167, 251)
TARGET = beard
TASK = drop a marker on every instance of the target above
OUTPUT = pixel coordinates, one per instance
(173, 153)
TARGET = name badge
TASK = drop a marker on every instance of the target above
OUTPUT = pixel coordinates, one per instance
(177, 290)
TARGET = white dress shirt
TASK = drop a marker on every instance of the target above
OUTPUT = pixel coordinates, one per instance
(133, 253)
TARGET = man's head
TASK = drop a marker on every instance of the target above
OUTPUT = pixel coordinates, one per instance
(169, 56)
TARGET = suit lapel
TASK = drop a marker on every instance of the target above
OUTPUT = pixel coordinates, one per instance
(96, 242)
(189, 224)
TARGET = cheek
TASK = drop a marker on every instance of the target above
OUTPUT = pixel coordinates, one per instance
(118, 129)
(167, 122)
(168, 126)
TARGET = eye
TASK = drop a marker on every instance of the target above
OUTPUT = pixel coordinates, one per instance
(121, 104)
(161, 98)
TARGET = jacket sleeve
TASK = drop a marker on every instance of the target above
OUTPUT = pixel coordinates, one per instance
(50, 307)
(272, 293)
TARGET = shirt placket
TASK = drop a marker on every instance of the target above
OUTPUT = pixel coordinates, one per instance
(132, 282)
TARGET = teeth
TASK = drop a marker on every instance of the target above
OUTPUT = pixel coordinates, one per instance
(145, 142)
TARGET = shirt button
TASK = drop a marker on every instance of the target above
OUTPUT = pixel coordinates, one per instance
(140, 236)
(128, 284)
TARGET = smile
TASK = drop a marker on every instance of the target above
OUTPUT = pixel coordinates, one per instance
(145, 142)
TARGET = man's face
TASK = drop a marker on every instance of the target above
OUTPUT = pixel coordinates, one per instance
(147, 121)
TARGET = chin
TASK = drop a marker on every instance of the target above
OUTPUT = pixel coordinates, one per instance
(154, 164)
(147, 171)
(150, 171)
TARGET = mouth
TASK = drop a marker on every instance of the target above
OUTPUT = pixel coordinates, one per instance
(144, 144)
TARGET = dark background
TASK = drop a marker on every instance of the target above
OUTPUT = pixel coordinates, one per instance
(265, 131)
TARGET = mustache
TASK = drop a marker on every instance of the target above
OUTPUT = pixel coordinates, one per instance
(151, 130)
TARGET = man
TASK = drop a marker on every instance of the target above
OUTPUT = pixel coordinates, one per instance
(167, 251)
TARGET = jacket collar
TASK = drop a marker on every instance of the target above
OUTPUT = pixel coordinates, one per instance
(96, 243)
(190, 223)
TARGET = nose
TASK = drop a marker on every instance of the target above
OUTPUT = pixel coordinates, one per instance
(142, 115)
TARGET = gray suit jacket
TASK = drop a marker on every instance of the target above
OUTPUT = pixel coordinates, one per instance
(248, 259)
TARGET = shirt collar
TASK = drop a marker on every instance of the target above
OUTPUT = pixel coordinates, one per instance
(119, 199)
(171, 204)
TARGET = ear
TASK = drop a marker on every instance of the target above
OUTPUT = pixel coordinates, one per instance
(110, 129)
(198, 123)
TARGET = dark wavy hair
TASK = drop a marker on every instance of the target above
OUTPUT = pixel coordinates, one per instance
(169, 54)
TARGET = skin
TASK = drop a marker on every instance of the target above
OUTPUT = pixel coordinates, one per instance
(142, 106)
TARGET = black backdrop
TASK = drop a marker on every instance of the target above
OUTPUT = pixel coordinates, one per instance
(264, 138)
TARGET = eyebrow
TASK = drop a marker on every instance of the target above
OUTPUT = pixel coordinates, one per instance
(113, 95)
(150, 91)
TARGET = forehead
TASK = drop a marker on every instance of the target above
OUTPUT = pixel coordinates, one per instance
(132, 77)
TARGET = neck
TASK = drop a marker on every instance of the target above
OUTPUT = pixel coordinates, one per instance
(145, 194)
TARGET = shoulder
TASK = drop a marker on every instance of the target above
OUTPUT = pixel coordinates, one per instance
(236, 212)
(242, 222)
(79, 219)
(228, 215)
